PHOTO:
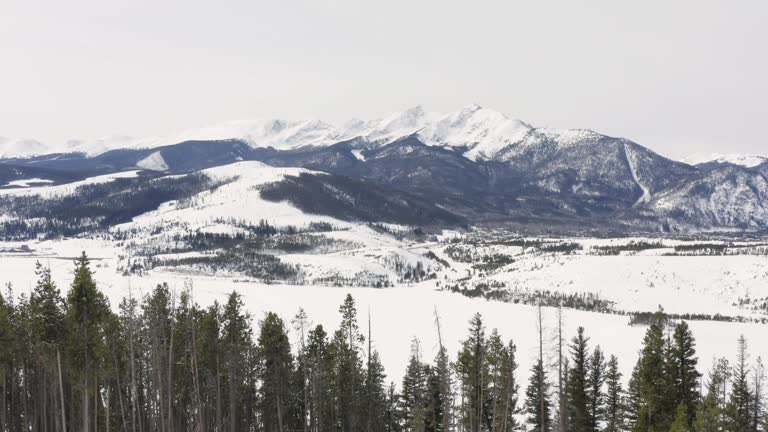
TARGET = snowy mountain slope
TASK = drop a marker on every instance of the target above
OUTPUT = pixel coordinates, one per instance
(745, 160)
(727, 196)
(275, 133)
(260, 133)
(237, 199)
(482, 132)
(21, 148)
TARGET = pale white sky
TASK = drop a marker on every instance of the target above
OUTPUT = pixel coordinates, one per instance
(676, 76)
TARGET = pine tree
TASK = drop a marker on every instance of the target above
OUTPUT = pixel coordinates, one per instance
(321, 372)
(739, 406)
(578, 400)
(719, 378)
(536, 397)
(275, 360)
(614, 406)
(652, 383)
(502, 393)
(433, 412)
(510, 399)
(595, 394)
(414, 391)
(86, 313)
(632, 405)
(47, 329)
(680, 424)
(237, 357)
(758, 396)
(472, 369)
(683, 364)
(391, 411)
(375, 394)
(708, 415)
(349, 370)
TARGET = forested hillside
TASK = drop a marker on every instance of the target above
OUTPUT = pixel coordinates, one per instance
(68, 362)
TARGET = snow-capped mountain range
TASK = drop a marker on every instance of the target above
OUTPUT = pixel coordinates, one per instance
(482, 133)
(476, 163)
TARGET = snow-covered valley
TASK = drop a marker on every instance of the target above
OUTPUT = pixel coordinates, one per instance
(403, 278)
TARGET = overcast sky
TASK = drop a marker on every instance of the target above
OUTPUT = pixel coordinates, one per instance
(679, 77)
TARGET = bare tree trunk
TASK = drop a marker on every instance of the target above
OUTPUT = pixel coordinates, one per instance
(3, 403)
(134, 389)
(218, 395)
(195, 372)
(279, 412)
(444, 384)
(232, 404)
(170, 382)
(560, 384)
(86, 402)
(96, 404)
(61, 392)
(541, 363)
(370, 376)
(106, 410)
(120, 396)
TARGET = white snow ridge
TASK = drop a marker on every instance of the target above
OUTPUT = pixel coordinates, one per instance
(153, 162)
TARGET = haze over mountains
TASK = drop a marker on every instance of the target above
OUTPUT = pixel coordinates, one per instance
(475, 163)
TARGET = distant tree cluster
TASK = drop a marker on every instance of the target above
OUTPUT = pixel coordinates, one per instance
(632, 246)
(495, 290)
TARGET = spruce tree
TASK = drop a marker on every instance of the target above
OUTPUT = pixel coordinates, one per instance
(653, 411)
(683, 365)
(275, 369)
(47, 331)
(472, 369)
(433, 412)
(595, 394)
(614, 398)
(738, 410)
(375, 394)
(708, 415)
(680, 423)
(579, 415)
(536, 397)
(350, 378)
(237, 355)
(87, 309)
(414, 391)
(321, 366)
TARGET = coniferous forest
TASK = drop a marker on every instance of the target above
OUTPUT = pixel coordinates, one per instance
(163, 363)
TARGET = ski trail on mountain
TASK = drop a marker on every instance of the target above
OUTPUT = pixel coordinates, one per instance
(646, 196)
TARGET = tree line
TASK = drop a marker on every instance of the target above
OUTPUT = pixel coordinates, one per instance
(163, 363)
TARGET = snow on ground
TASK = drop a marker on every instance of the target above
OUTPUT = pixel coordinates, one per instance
(397, 314)
(28, 182)
(406, 310)
(69, 188)
(154, 162)
(680, 284)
